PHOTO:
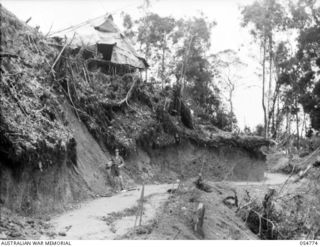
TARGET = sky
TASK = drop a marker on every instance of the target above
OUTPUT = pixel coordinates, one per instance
(227, 34)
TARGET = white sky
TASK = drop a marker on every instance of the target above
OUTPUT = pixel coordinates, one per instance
(226, 35)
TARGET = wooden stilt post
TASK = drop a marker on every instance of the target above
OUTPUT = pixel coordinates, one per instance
(141, 204)
(140, 208)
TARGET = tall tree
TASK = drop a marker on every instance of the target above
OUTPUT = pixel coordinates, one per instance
(192, 40)
(154, 34)
(297, 72)
(227, 65)
(306, 18)
(264, 17)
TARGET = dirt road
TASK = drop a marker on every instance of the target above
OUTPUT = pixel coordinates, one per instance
(89, 221)
(270, 179)
(92, 219)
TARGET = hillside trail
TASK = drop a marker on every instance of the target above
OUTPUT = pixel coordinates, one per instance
(90, 220)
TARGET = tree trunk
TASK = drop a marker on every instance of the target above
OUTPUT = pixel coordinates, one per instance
(162, 69)
(185, 62)
(270, 84)
(231, 105)
(279, 116)
(263, 87)
(289, 134)
(271, 114)
(147, 56)
(303, 127)
(297, 126)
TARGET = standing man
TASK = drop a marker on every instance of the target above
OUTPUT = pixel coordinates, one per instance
(115, 164)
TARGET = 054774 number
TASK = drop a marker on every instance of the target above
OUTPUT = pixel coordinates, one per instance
(308, 242)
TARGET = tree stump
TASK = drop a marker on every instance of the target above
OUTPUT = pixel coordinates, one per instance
(198, 219)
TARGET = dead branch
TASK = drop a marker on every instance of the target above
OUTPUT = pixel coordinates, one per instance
(285, 182)
(86, 70)
(59, 55)
(125, 100)
(6, 54)
(17, 73)
(85, 76)
(72, 100)
(52, 44)
(32, 43)
(72, 75)
(29, 19)
(29, 41)
(303, 173)
(48, 33)
(246, 205)
(260, 219)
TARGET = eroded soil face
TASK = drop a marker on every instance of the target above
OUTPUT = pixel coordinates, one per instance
(186, 160)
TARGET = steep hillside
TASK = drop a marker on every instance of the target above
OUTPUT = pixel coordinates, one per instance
(41, 160)
(60, 121)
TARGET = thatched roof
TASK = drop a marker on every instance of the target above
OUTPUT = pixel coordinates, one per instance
(109, 34)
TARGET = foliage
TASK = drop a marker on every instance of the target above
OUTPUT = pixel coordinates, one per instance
(259, 130)
(265, 15)
(295, 69)
(301, 70)
(177, 50)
